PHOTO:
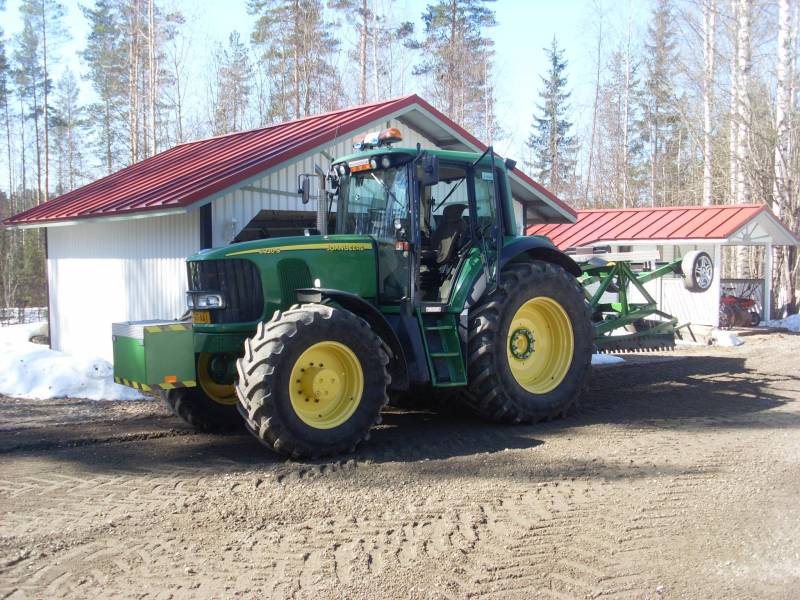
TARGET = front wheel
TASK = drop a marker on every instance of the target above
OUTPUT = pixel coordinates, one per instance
(312, 381)
(530, 345)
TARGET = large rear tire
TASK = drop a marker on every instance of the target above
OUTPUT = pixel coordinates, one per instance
(530, 345)
(196, 408)
(312, 381)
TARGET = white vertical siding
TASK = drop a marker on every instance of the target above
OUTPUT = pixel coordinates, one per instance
(109, 271)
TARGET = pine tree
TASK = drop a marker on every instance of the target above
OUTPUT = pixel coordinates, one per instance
(29, 81)
(457, 61)
(232, 85)
(360, 13)
(105, 55)
(660, 125)
(45, 18)
(550, 141)
(297, 47)
(5, 112)
(68, 123)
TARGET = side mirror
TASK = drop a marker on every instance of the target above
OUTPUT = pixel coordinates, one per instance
(430, 170)
(510, 164)
(304, 188)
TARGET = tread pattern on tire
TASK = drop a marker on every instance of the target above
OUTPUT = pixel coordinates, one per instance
(192, 407)
(485, 394)
(262, 353)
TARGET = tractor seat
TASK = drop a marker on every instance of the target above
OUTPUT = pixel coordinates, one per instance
(446, 239)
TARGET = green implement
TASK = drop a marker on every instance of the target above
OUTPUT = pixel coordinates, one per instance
(625, 315)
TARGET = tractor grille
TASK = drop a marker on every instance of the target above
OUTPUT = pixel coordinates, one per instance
(239, 282)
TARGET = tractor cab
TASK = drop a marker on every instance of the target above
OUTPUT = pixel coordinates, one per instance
(427, 210)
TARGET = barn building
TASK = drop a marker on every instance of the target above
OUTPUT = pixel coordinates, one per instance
(116, 247)
(666, 233)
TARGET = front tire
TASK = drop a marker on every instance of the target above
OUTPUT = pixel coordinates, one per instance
(530, 345)
(312, 381)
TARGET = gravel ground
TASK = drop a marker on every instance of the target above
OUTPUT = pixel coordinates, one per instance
(677, 478)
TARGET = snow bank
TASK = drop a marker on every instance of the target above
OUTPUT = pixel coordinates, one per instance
(29, 370)
(606, 359)
(792, 323)
(721, 337)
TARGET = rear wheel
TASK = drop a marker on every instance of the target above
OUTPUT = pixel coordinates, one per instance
(312, 381)
(211, 405)
(530, 345)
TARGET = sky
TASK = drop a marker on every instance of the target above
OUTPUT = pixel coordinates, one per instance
(524, 29)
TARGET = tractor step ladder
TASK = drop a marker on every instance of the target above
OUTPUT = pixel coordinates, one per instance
(443, 347)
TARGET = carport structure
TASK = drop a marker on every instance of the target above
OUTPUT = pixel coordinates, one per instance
(665, 233)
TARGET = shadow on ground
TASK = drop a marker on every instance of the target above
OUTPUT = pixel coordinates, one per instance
(688, 393)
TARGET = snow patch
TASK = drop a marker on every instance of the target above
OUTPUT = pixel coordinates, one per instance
(792, 323)
(29, 370)
(606, 359)
(721, 337)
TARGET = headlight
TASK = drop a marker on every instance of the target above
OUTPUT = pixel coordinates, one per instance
(204, 300)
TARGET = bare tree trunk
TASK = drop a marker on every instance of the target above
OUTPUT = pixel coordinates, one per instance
(733, 134)
(9, 151)
(594, 107)
(781, 191)
(625, 122)
(376, 58)
(783, 186)
(743, 66)
(451, 91)
(133, 81)
(709, 15)
(362, 52)
(45, 105)
(296, 71)
(152, 73)
(38, 144)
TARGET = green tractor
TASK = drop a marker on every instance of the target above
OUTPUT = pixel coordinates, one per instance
(424, 283)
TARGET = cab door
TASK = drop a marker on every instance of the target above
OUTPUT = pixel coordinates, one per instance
(486, 217)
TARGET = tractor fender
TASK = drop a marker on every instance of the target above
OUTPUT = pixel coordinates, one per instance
(398, 365)
(523, 249)
(538, 248)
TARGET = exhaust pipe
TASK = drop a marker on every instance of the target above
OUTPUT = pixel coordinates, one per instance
(322, 203)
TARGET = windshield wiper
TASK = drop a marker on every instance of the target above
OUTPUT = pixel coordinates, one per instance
(385, 187)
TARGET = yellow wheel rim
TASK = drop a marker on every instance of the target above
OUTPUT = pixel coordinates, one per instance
(221, 393)
(326, 385)
(540, 345)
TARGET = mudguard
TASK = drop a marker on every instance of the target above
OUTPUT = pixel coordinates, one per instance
(538, 248)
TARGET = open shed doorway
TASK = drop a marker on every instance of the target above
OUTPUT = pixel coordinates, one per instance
(277, 223)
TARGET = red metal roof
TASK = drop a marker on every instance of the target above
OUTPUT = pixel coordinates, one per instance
(635, 224)
(190, 172)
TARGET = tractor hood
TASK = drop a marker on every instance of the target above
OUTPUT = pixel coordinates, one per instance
(287, 245)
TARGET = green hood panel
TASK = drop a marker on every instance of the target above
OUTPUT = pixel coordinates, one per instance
(343, 262)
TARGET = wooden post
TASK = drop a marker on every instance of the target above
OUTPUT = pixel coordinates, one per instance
(767, 300)
(716, 287)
